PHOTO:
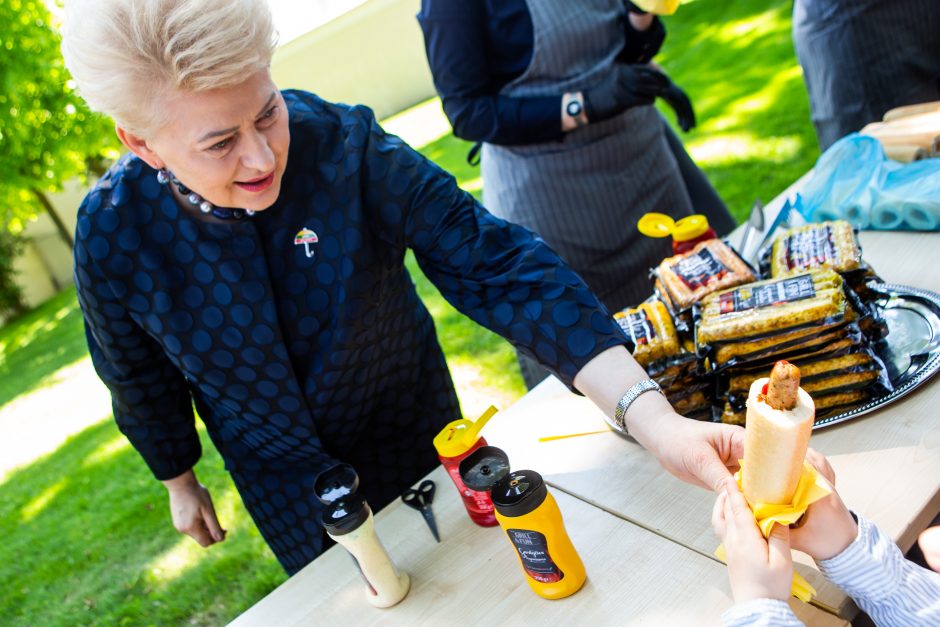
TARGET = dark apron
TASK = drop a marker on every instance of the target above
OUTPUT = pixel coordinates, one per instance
(861, 58)
(584, 195)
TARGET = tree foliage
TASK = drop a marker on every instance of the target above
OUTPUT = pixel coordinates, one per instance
(11, 296)
(47, 134)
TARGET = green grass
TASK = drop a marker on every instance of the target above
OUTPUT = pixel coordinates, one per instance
(86, 531)
(736, 61)
(37, 344)
(87, 540)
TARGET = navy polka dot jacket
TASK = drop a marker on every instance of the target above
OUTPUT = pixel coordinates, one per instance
(298, 332)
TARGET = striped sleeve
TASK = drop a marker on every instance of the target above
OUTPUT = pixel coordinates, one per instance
(761, 613)
(889, 588)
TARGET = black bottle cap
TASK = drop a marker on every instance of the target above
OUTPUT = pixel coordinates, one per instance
(519, 493)
(345, 515)
(483, 468)
(336, 482)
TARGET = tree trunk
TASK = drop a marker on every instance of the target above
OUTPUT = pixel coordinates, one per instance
(59, 224)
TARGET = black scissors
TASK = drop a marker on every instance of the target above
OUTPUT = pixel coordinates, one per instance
(421, 499)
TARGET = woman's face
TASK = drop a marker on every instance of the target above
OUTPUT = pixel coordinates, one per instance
(227, 145)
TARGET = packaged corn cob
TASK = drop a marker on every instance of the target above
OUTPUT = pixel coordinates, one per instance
(812, 369)
(711, 266)
(765, 308)
(820, 245)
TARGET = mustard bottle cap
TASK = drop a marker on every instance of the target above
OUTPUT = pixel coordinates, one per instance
(459, 436)
(656, 225)
(482, 469)
(658, 7)
(689, 228)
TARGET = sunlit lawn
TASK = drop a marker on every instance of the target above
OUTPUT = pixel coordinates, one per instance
(86, 537)
(736, 62)
(38, 344)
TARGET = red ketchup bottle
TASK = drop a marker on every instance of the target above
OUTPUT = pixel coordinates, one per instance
(686, 232)
(454, 443)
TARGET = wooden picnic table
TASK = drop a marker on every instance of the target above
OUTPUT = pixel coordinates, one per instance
(887, 463)
(473, 577)
(645, 537)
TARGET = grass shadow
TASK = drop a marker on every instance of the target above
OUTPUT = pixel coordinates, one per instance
(90, 550)
(39, 343)
(736, 62)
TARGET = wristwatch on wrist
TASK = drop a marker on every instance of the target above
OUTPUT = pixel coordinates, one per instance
(619, 422)
(572, 111)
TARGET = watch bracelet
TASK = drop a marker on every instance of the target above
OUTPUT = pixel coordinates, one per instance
(627, 399)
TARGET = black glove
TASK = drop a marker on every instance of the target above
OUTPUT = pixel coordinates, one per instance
(641, 46)
(680, 103)
(632, 8)
(627, 86)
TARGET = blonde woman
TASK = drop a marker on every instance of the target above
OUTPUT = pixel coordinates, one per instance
(247, 256)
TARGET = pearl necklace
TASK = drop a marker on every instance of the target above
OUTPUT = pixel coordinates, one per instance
(223, 213)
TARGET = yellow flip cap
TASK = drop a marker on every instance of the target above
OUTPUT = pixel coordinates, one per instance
(659, 7)
(460, 435)
(661, 225)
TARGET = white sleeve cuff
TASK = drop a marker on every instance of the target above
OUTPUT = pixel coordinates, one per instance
(870, 567)
(761, 613)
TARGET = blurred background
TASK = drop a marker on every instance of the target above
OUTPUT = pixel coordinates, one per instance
(85, 530)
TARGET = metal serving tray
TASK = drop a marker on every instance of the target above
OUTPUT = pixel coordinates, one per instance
(910, 351)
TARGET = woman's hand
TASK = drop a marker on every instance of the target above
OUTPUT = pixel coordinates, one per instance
(757, 568)
(701, 453)
(192, 511)
(640, 21)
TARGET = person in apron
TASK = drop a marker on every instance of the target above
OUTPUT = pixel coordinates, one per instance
(862, 58)
(518, 68)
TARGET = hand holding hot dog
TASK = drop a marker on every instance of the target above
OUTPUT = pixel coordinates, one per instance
(757, 568)
(827, 527)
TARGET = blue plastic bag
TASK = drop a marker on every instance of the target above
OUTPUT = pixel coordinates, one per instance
(854, 181)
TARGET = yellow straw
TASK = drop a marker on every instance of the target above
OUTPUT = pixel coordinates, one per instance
(549, 438)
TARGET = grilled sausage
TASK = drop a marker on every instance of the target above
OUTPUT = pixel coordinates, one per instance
(783, 386)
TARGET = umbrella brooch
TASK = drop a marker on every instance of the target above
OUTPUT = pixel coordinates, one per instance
(306, 237)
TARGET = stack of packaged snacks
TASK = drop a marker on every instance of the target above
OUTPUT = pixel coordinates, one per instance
(768, 308)
(807, 319)
(831, 245)
(683, 280)
(836, 383)
(667, 356)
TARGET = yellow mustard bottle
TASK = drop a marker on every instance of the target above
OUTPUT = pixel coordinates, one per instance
(529, 515)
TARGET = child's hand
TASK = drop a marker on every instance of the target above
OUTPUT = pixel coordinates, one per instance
(758, 568)
(827, 527)
(929, 542)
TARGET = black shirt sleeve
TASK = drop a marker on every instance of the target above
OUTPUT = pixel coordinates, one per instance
(461, 55)
(497, 273)
(641, 46)
(150, 397)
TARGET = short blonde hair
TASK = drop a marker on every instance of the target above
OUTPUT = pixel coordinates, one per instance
(125, 54)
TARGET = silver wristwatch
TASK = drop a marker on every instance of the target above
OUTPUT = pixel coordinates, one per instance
(627, 399)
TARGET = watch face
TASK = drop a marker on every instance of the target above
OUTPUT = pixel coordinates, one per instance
(574, 108)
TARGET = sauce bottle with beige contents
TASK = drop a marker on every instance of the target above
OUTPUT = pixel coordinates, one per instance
(778, 425)
(349, 521)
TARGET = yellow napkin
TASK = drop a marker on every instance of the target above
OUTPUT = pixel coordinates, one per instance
(810, 489)
(659, 7)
